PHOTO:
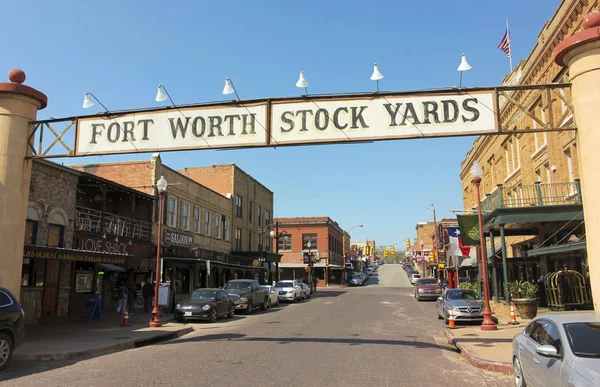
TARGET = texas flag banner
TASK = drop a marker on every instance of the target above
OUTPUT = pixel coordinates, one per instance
(456, 246)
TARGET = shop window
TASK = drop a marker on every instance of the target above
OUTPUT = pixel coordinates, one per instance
(185, 218)
(33, 272)
(197, 219)
(30, 231)
(172, 212)
(313, 241)
(285, 243)
(56, 234)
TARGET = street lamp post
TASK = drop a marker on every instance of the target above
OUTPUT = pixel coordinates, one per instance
(488, 323)
(436, 243)
(422, 258)
(344, 267)
(161, 186)
(276, 234)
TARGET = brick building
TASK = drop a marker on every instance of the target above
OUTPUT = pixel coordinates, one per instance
(326, 243)
(530, 181)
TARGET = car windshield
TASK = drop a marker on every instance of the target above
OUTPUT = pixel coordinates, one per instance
(427, 282)
(265, 287)
(203, 295)
(416, 275)
(282, 284)
(461, 295)
(584, 338)
(237, 286)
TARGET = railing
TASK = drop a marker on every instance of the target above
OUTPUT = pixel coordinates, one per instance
(536, 195)
(90, 220)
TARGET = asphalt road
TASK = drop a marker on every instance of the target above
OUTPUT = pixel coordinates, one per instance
(375, 335)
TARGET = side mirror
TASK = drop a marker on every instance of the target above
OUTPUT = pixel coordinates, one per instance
(547, 350)
(440, 299)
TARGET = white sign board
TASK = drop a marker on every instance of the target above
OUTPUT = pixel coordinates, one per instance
(167, 129)
(291, 121)
(379, 118)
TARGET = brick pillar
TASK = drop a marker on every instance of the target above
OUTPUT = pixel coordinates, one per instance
(18, 106)
(581, 54)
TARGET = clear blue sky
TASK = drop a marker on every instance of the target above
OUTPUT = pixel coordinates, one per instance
(121, 50)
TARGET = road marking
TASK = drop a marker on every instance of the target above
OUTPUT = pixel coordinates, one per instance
(329, 302)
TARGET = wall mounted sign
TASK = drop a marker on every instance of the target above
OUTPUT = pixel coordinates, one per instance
(178, 238)
(70, 255)
(291, 121)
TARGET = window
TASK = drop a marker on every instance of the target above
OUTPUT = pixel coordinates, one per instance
(30, 231)
(268, 222)
(238, 238)
(238, 205)
(218, 226)
(225, 228)
(313, 241)
(260, 218)
(56, 235)
(172, 212)
(250, 205)
(570, 165)
(249, 240)
(492, 170)
(512, 154)
(185, 218)
(207, 222)
(197, 213)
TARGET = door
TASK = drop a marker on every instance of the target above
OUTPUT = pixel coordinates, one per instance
(222, 303)
(549, 368)
(50, 301)
(528, 354)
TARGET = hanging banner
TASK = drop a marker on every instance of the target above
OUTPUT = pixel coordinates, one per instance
(291, 121)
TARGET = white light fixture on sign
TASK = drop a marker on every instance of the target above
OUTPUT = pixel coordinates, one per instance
(160, 96)
(476, 170)
(87, 103)
(377, 75)
(161, 184)
(464, 66)
(302, 82)
(230, 88)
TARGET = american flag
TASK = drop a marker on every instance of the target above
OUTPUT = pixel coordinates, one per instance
(505, 44)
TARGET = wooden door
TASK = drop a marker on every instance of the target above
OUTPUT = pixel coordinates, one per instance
(50, 302)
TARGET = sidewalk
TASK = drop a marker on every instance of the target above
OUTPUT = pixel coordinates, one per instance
(489, 350)
(66, 338)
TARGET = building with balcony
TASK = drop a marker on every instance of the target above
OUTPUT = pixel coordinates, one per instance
(320, 238)
(533, 215)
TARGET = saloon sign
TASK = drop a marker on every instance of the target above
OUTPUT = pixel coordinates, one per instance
(277, 122)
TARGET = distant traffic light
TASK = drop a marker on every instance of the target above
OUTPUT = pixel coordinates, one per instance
(385, 252)
(326, 261)
(408, 244)
(392, 250)
(431, 256)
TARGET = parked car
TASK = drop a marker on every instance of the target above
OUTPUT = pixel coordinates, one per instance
(558, 350)
(369, 271)
(12, 326)
(414, 277)
(305, 290)
(289, 290)
(427, 289)
(273, 294)
(357, 279)
(205, 304)
(247, 295)
(465, 304)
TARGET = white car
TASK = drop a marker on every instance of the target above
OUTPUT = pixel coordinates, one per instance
(273, 295)
(414, 277)
(289, 290)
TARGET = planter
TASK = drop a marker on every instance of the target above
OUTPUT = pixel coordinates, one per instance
(526, 307)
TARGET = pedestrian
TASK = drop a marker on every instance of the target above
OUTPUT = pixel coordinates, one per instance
(122, 292)
(315, 283)
(148, 293)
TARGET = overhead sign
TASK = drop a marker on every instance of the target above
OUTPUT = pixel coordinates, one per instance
(291, 122)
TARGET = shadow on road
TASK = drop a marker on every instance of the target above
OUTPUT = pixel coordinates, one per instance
(328, 293)
(288, 340)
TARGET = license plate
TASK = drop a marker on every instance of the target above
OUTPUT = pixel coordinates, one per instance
(187, 313)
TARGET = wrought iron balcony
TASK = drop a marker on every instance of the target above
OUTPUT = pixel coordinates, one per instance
(535, 195)
(90, 220)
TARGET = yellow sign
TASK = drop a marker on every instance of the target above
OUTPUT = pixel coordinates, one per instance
(441, 266)
(256, 263)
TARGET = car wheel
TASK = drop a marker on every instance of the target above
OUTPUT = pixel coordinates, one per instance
(212, 317)
(265, 304)
(445, 318)
(231, 313)
(270, 303)
(438, 314)
(6, 350)
(518, 373)
(249, 307)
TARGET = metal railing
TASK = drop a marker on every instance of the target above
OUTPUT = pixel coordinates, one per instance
(90, 220)
(536, 195)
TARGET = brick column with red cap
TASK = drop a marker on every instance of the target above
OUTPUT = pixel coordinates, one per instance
(581, 54)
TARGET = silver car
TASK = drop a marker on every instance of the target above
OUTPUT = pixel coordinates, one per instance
(305, 290)
(558, 350)
(288, 290)
(465, 305)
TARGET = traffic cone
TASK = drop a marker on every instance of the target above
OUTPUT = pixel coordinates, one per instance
(513, 317)
(125, 322)
(451, 324)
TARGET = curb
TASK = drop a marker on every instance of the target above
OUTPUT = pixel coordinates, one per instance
(130, 344)
(477, 362)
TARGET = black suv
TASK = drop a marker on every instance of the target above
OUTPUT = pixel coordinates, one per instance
(12, 327)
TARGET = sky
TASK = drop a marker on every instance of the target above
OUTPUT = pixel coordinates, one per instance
(121, 50)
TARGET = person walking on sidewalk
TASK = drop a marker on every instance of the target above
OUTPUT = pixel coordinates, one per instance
(122, 292)
(148, 293)
(315, 283)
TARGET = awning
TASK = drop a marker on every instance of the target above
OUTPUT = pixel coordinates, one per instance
(497, 248)
(557, 249)
(109, 267)
(469, 262)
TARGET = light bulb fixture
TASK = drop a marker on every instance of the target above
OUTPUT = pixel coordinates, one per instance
(464, 66)
(161, 184)
(230, 88)
(87, 103)
(302, 82)
(160, 96)
(377, 75)
(476, 171)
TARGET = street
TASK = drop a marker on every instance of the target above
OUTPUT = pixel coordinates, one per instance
(375, 335)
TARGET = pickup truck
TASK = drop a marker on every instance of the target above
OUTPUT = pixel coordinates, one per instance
(247, 295)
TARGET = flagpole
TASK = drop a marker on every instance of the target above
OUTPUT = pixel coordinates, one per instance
(509, 46)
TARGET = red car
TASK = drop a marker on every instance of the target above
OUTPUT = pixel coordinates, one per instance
(427, 289)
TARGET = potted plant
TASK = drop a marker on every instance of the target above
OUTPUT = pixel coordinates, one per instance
(524, 295)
